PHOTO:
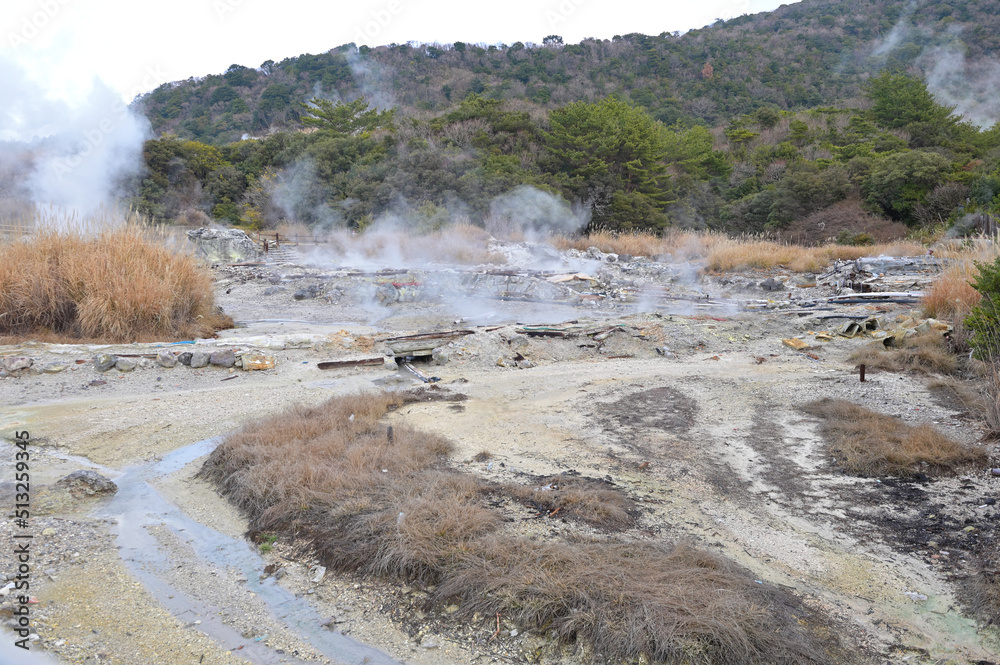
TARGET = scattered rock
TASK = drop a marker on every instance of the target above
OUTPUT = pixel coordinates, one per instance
(318, 574)
(387, 294)
(518, 341)
(125, 364)
(199, 359)
(166, 359)
(185, 358)
(771, 284)
(86, 482)
(105, 361)
(54, 368)
(15, 363)
(390, 363)
(525, 364)
(224, 245)
(225, 358)
(312, 291)
(271, 290)
(440, 356)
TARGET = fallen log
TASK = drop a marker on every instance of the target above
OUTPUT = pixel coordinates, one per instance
(876, 295)
(444, 334)
(335, 364)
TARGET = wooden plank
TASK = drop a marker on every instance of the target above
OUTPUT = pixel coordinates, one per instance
(336, 364)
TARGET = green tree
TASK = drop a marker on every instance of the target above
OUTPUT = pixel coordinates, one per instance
(899, 100)
(898, 182)
(983, 320)
(596, 151)
(348, 119)
(807, 188)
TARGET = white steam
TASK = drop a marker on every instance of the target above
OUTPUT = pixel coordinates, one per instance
(374, 80)
(899, 32)
(955, 80)
(70, 157)
(538, 214)
(969, 86)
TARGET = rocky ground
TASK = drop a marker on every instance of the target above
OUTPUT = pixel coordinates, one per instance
(676, 386)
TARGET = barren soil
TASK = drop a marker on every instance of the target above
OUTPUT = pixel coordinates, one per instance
(695, 414)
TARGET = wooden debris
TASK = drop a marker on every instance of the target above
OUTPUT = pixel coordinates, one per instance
(796, 344)
(444, 334)
(335, 364)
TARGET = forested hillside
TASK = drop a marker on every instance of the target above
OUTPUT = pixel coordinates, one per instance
(822, 119)
(812, 53)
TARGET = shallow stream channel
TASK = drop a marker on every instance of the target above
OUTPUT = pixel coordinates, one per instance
(168, 551)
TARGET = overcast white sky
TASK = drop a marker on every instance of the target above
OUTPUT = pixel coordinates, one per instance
(135, 45)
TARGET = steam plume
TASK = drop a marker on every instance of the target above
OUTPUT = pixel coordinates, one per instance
(71, 157)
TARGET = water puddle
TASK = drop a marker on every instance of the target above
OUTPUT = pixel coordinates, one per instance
(138, 508)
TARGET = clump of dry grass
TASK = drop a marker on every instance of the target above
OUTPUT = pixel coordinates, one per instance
(957, 394)
(983, 595)
(952, 295)
(927, 353)
(674, 604)
(330, 476)
(723, 253)
(115, 285)
(765, 254)
(867, 443)
(681, 245)
(589, 500)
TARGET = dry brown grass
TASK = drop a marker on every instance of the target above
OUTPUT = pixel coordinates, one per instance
(952, 295)
(116, 285)
(927, 354)
(867, 443)
(723, 253)
(329, 476)
(681, 245)
(983, 595)
(765, 254)
(589, 500)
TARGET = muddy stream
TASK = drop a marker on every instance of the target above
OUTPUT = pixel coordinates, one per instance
(138, 506)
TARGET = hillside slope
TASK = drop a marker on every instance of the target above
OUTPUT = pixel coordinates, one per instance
(812, 53)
